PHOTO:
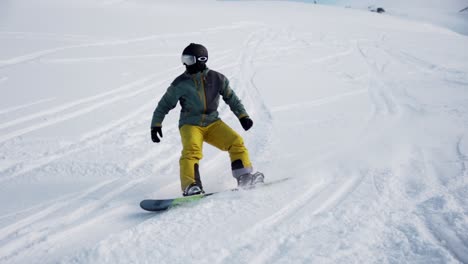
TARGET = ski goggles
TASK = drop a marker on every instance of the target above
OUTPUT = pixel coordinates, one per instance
(190, 59)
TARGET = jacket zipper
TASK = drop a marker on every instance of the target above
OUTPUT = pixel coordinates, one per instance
(202, 97)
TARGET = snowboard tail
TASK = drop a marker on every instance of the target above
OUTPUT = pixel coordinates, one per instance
(164, 204)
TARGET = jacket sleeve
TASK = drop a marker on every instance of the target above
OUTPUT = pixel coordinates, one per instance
(230, 97)
(168, 102)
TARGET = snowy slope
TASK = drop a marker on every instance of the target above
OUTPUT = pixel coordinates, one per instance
(367, 113)
(446, 13)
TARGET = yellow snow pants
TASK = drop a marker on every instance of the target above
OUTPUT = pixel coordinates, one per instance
(217, 134)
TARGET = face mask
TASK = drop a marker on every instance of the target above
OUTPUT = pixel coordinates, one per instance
(197, 67)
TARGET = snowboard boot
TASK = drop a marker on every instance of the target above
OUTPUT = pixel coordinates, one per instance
(193, 189)
(249, 180)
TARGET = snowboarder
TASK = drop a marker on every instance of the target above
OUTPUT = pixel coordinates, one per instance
(198, 90)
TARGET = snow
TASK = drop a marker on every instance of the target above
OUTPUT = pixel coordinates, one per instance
(443, 13)
(367, 113)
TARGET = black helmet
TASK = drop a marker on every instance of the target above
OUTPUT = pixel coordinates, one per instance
(194, 53)
(196, 50)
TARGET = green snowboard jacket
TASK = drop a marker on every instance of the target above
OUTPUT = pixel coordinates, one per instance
(198, 95)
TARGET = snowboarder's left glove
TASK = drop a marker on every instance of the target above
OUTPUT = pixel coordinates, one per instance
(154, 134)
(246, 123)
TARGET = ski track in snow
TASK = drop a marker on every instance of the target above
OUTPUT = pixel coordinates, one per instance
(60, 114)
(87, 140)
(318, 102)
(391, 101)
(23, 106)
(31, 36)
(52, 224)
(107, 58)
(122, 93)
(320, 205)
(39, 54)
(260, 228)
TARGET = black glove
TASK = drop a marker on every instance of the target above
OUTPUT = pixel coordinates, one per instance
(246, 123)
(154, 134)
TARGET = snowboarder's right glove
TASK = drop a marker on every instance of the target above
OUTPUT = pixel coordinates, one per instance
(246, 123)
(154, 134)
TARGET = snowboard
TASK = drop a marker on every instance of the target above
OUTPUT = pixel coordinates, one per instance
(156, 205)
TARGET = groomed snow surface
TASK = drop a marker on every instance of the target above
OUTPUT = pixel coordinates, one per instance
(366, 113)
